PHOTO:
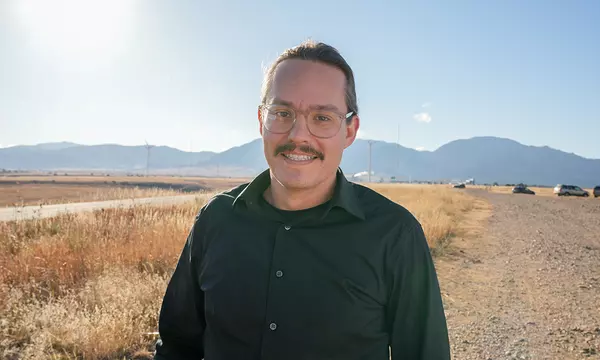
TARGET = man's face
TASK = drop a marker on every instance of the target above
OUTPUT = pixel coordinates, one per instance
(305, 85)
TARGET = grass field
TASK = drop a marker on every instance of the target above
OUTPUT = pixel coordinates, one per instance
(119, 179)
(45, 190)
(46, 194)
(89, 286)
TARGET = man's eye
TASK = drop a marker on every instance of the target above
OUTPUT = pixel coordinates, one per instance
(283, 113)
(323, 118)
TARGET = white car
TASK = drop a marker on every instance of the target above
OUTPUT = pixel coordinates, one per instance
(570, 190)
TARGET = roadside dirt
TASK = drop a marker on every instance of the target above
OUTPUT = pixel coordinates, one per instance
(528, 286)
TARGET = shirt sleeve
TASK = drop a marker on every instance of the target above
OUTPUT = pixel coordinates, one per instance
(181, 321)
(416, 315)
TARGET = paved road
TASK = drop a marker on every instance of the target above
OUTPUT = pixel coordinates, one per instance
(29, 212)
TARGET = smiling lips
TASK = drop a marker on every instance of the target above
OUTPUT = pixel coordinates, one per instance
(306, 153)
(298, 157)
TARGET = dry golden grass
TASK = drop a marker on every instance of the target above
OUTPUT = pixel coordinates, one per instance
(46, 194)
(20, 190)
(89, 286)
(438, 208)
(214, 182)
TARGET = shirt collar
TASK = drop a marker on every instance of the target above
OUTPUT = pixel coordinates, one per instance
(344, 195)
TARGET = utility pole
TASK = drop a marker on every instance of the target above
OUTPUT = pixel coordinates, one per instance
(398, 153)
(370, 146)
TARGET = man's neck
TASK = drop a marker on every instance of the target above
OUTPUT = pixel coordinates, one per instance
(299, 199)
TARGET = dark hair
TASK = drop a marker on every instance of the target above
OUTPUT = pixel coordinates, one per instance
(318, 52)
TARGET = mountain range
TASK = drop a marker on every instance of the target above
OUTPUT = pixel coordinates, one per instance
(485, 159)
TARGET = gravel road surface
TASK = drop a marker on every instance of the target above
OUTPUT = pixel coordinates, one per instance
(529, 286)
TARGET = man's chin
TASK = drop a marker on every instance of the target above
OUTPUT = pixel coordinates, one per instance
(294, 177)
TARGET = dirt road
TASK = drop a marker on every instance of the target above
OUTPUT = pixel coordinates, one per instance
(529, 286)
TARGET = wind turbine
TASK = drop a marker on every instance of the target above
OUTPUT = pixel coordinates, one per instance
(148, 147)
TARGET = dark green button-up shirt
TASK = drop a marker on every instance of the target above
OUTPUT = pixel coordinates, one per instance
(347, 280)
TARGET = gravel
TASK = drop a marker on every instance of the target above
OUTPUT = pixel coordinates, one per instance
(529, 286)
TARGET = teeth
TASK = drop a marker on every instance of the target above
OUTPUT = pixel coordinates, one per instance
(298, 157)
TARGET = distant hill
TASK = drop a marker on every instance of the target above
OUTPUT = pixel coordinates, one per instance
(47, 146)
(486, 159)
(62, 156)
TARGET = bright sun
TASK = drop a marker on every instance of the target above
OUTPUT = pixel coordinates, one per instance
(78, 32)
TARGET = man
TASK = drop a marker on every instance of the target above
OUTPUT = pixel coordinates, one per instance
(301, 263)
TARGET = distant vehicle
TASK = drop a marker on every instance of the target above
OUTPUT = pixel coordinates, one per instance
(570, 190)
(459, 186)
(597, 191)
(522, 189)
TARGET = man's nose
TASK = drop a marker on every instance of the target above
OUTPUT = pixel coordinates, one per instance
(299, 131)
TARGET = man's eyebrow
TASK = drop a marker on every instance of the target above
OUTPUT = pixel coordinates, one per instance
(315, 107)
(281, 102)
(325, 107)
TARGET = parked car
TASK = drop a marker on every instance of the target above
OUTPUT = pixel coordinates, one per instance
(522, 189)
(570, 190)
(459, 186)
(597, 191)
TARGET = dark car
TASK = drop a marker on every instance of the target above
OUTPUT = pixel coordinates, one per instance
(597, 191)
(522, 189)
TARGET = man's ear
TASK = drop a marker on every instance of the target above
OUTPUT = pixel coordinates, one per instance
(352, 130)
(260, 128)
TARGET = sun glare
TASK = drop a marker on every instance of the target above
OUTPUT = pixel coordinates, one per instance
(78, 32)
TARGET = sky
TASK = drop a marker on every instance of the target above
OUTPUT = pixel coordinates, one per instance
(187, 74)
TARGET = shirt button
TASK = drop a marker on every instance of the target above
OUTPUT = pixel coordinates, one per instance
(272, 326)
(279, 273)
(287, 227)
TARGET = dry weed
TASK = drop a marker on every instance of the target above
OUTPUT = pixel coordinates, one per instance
(106, 318)
(439, 209)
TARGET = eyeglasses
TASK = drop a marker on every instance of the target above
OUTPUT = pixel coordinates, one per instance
(280, 119)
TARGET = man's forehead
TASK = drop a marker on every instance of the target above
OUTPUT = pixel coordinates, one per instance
(296, 70)
(308, 83)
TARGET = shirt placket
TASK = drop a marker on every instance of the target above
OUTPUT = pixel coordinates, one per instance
(275, 296)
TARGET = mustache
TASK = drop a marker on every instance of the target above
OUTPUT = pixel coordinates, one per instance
(307, 149)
